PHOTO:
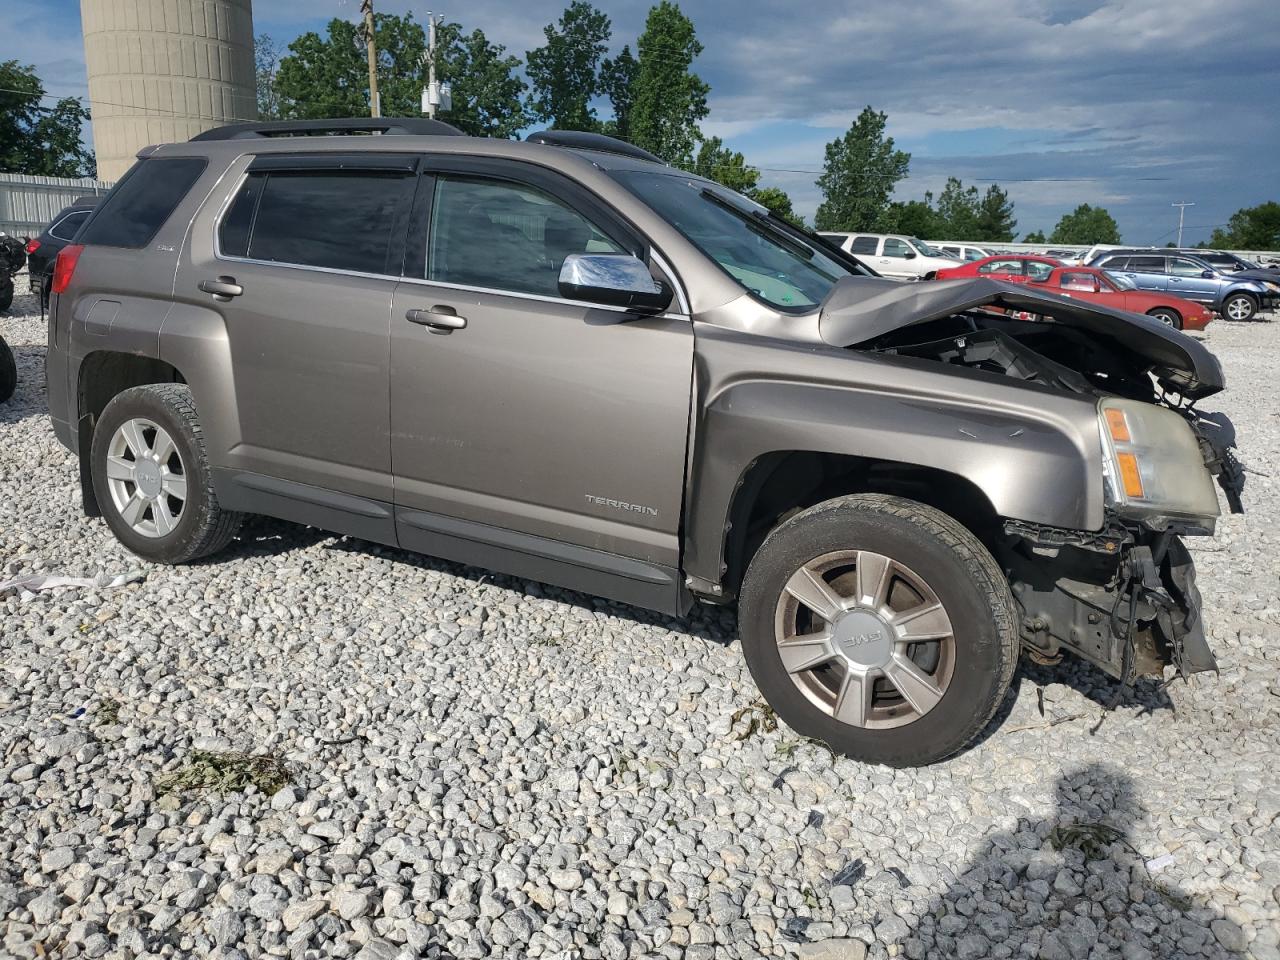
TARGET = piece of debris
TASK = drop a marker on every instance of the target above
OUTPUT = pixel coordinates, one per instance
(1157, 864)
(226, 773)
(31, 584)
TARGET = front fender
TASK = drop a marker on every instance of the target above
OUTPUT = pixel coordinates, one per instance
(1032, 451)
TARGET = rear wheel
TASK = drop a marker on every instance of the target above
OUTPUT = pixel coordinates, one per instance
(8, 372)
(151, 476)
(1167, 315)
(880, 626)
(1239, 306)
(6, 293)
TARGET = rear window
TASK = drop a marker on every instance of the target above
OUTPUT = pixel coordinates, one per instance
(133, 212)
(340, 220)
(65, 229)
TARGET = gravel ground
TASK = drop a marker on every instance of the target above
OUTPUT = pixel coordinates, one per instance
(478, 766)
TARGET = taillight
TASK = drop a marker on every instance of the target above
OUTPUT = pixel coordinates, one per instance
(64, 267)
(32, 245)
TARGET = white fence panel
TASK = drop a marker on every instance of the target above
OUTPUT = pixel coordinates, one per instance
(28, 203)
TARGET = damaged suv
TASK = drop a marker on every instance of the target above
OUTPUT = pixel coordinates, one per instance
(563, 360)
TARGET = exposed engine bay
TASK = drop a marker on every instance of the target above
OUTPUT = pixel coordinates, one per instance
(1124, 597)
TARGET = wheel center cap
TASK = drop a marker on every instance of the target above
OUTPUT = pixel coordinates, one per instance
(863, 638)
(148, 477)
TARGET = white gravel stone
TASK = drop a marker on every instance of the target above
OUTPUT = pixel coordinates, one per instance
(484, 767)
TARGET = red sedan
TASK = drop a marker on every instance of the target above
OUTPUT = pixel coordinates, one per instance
(1098, 286)
(1010, 267)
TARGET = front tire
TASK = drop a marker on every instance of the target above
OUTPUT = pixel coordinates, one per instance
(1167, 315)
(880, 626)
(151, 476)
(1239, 306)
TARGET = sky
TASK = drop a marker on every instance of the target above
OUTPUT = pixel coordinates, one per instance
(1128, 104)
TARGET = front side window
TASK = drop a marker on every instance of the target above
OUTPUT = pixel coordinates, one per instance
(138, 206)
(777, 266)
(1180, 267)
(1079, 281)
(1038, 271)
(1002, 267)
(893, 247)
(505, 236)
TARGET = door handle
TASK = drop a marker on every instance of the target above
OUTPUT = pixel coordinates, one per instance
(438, 319)
(223, 289)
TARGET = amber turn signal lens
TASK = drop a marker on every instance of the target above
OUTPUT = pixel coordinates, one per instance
(1129, 475)
(1118, 425)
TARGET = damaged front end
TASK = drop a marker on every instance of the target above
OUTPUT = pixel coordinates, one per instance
(1123, 597)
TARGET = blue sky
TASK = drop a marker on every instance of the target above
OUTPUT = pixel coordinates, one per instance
(1131, 104)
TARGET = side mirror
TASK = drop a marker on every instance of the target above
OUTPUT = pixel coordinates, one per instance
(909, 255)
(1206, 274)
(613, 279)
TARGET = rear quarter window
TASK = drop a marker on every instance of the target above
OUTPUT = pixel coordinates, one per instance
(136, 209)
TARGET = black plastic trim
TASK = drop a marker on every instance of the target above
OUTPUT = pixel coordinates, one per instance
(387, 126)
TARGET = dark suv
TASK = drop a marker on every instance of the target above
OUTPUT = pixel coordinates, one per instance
(1189, 277)
(43, 250)
(569, 362)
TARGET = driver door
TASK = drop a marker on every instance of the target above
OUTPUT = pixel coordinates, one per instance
(532, 433)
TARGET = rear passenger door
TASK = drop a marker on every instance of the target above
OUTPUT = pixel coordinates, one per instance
(1147, 272)
(307, 256)
(533, 433)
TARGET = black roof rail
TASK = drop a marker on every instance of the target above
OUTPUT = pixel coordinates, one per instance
(582, 140)
(342, 126)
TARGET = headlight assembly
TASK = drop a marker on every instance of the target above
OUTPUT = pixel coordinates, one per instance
(1153, 465)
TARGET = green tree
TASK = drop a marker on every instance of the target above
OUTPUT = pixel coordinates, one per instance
(266, 61)
(1035, 236)
(1251, 228)
(858, 176)
(329, 76)
(485, 88)
(35, 139)
(1086, 225)
(668, 99)
(617, 82)
(958, 211)
(717, 162)
(995, 216)
(778, 203)
(918, 218)
(564, 72)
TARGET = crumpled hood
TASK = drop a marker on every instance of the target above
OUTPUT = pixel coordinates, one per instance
(861, 309)
(1262, 275)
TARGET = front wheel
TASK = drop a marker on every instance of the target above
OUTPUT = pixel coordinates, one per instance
(1239, 306)
(151, 476)
(880, 626)
(1167, 315)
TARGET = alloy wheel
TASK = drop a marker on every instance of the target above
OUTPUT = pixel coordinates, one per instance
(1239, 309)
(865, 639)
(146, 477)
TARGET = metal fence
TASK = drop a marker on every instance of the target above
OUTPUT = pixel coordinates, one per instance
(27, 203)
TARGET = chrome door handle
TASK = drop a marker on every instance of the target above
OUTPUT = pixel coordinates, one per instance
(223, 289)
(438, 319)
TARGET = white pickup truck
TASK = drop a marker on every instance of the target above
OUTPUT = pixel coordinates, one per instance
(894, 255)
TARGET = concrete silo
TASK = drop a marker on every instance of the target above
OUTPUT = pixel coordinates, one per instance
(163, 71)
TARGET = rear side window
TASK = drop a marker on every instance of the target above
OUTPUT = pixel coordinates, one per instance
(65, 229)
(133, 212)
(337, 219)
(863, 245)
(1147, 264)
(1115, 263)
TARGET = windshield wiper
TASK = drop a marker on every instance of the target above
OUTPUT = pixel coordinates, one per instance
(759, 223)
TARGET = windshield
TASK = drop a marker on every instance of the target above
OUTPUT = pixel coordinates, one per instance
(777, 266)
(927, 251)
(1121, 281)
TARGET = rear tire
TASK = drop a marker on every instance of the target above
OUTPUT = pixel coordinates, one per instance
(151, 476)
(6, 294)
(849, 678)
(8, 372)
(1167, 315)
(1239, 306)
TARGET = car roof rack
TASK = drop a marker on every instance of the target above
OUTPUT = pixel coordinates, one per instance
(581, 140)
(342, 126)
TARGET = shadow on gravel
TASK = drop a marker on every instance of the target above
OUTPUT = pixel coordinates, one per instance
(1150, 695)
(266, 537)
(1072, 886)
(28, 399)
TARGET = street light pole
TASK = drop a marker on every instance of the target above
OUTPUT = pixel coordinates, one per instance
(1181, 205)
(375, 107)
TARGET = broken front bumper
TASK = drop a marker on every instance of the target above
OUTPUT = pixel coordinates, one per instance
(1125, 600)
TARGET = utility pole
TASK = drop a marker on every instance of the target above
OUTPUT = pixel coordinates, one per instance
(375, 107)
(432, 96)
(1181, 205)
